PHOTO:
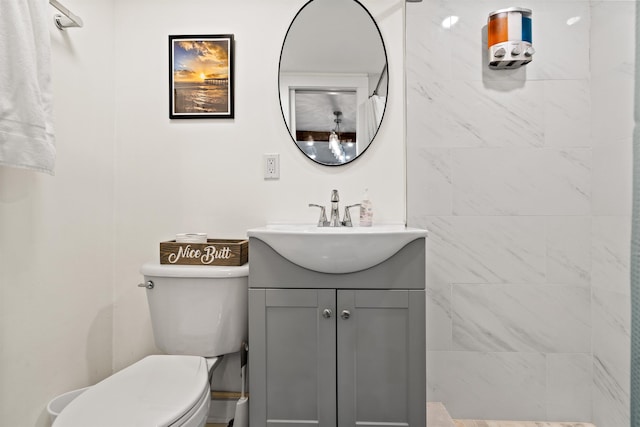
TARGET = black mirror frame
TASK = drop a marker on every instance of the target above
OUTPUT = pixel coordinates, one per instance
(386, 57)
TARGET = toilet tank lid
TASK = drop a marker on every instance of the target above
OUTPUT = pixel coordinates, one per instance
(156, 269)
(157, 390)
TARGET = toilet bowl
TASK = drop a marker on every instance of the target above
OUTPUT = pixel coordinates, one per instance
(197, 314)
(156, 391)
(58, 403)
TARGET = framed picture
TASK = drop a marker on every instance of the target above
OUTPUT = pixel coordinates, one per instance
(201, 77)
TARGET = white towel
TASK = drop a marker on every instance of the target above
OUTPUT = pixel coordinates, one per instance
(26, 117)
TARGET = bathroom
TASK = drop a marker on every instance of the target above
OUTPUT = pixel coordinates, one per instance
(542, 203)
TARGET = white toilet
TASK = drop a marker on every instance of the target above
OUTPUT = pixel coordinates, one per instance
(197, 314)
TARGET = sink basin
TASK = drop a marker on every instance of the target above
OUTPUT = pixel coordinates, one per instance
(336, 249)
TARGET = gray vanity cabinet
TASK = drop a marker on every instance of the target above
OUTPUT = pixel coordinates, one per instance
(336, 356)
(380, 347)
(293, 365)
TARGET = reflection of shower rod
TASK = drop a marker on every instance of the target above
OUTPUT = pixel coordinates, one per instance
(384, 70)
(71, 20)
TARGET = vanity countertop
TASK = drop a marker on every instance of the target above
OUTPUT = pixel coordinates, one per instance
(336, 249)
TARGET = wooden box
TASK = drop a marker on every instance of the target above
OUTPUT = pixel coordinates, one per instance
(215, 252)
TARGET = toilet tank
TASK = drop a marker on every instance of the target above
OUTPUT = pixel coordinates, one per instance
(197, 310)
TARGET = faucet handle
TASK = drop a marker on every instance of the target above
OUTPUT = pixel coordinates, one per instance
(334, 196)
(322, 221)
(347, 216)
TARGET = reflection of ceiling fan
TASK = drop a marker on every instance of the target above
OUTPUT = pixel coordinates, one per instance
(337, 121)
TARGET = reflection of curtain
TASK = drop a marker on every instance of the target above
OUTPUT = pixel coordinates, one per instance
(371, 113)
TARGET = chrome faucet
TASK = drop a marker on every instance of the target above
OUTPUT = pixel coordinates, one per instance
(346, 219)
(334, 220)
(335, 210)
(322, 222)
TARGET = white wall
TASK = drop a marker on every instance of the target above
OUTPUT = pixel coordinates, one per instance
(56, 235)
(523, 179)
(127, 178)
(177, 176)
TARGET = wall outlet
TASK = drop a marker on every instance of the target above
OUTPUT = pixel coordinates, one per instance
(271, 166)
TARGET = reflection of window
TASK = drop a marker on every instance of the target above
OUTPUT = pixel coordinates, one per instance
(315, 114)
(318, 113)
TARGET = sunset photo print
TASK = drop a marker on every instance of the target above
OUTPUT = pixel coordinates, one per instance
(201, 76)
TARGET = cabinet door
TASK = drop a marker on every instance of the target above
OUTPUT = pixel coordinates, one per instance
(292, 359)
(381, 354)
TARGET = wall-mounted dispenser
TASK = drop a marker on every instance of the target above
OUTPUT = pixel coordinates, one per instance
(509, 38)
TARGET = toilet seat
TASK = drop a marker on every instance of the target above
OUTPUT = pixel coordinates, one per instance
(162, 391)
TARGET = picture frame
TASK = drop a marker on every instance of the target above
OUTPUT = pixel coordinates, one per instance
(201, 76)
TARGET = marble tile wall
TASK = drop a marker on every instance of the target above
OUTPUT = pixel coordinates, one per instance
(523, 179)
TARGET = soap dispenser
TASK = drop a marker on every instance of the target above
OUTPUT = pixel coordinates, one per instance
(366, 211)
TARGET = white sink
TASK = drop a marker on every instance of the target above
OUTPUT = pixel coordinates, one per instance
(336, 249)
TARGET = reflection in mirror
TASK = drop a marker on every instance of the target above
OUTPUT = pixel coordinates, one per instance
(333, 80)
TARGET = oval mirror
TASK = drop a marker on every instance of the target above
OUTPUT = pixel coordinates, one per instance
(333, 80)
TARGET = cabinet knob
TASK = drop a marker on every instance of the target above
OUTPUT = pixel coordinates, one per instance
(345, 314)
(327, 313)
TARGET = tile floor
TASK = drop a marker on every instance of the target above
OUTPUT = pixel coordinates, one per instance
(478, 423)
(437, 416)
